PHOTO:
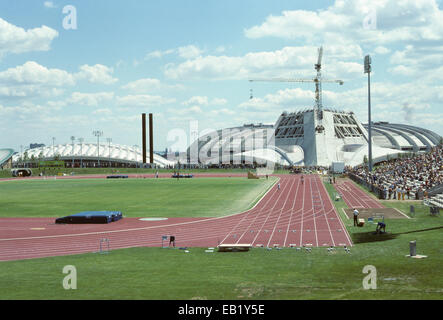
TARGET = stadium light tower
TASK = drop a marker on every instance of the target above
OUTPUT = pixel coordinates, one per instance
(368, 71)
(109, 140)
(72, 139)
(98, 134)
(81, 151)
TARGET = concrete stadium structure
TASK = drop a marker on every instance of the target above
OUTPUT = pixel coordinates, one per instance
(314, 137)
(89, 155)
(6, 158)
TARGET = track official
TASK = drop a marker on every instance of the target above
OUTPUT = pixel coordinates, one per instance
(355, 217)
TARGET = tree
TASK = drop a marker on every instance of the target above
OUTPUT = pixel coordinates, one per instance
(365, 159)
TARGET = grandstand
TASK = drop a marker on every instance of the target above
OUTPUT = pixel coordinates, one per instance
(6, 158)
(420, 174)
(88, 155)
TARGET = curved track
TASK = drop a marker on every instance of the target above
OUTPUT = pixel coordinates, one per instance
(297, 214)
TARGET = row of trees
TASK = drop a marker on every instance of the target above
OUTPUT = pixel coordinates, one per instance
(26, 161)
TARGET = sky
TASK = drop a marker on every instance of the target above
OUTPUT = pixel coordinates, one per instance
(68, 68)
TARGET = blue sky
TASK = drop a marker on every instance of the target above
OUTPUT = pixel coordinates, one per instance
(191, 60)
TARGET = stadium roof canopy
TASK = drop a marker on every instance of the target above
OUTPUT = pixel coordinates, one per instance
(5, 155)
(90, 152)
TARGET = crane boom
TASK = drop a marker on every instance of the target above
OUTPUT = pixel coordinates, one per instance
(317, 80)
(340, 82)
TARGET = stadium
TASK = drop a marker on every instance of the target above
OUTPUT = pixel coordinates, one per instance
(85, 155)
(59, 205)
(310, 204)
(297, 140)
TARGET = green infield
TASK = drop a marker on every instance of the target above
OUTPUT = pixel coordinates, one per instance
(198, 197)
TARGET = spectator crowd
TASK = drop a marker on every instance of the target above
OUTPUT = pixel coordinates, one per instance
(404, 178)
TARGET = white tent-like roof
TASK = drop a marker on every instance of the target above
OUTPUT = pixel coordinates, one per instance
(91, 151)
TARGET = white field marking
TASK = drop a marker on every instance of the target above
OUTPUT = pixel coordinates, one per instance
(249, 211)
(351, 197)
(270, 213)
(266, 213)
(292, 212)
(315, 225)
(326, 216)
(370, 195)
(284, 204)
(366, 198)
(402, 213)
(302, 214)
(338, 216)
(345, 214)
(142, 228)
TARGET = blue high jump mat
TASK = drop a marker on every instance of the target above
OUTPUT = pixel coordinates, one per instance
(91, 217)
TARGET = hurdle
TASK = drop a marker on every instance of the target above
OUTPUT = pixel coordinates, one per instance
(104, 246)
(163, 239)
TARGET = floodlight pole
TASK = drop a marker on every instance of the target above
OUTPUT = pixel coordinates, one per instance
(98, 134)
(368, 71)
(81, 151)
(72, 139)
(109, 150)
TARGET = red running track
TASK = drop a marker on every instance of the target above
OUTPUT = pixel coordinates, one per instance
(354, 197)
(299, 214)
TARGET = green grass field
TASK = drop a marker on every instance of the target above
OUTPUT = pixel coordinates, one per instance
(204, 197)
(156, 273)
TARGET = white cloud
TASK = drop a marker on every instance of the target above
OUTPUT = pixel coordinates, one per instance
(103, 111)
(396, 21)
(33, 79)
(33, 73)
(189, 52)
(293, 98)
(220, 49)
(382, 50)
(149, 84)
(202, 101)
(49, 4)
(223, 111)
(96, 74)
(14, 39)
(142, 85)
(90, 99)
(219, 101)
(143, 100)
(192, 110)
(279, 63)
(157, 54)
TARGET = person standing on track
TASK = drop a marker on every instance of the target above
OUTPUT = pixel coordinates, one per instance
(172, 240)
(302, 179)
(355, 217)
(278, 186)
